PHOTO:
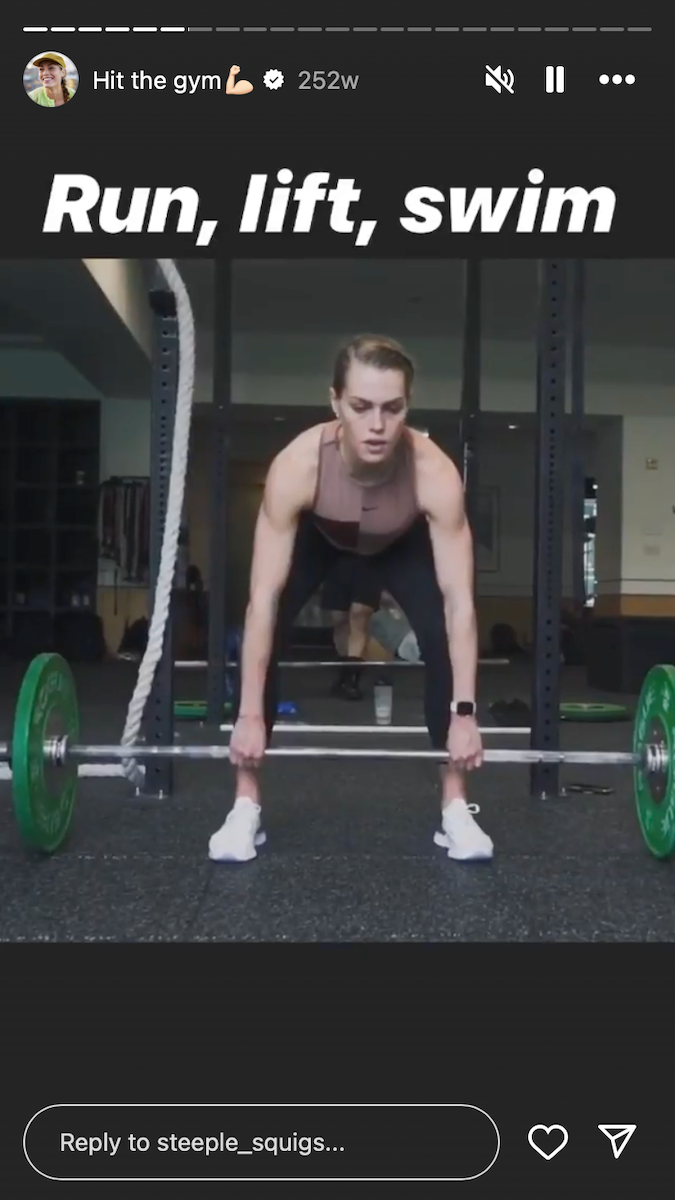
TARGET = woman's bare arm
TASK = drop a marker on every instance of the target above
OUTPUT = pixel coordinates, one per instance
(289, 489)
(441, 496)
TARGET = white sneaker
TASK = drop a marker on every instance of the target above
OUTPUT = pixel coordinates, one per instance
(237, 839)
(463, 837)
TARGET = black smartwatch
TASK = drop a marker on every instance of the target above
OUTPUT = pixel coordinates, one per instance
(463, 708)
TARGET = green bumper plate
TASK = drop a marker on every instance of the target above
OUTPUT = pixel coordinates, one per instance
(195, 710)
(593, 712)
(655, 792)
(44, 795)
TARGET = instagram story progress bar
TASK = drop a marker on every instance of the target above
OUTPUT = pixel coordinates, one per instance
(555, 79)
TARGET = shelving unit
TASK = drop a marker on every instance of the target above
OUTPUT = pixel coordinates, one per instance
(49, 481)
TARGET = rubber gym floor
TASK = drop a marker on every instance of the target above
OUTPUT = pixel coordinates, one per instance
(349, 855)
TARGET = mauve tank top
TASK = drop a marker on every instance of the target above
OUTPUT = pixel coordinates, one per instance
(359, 518)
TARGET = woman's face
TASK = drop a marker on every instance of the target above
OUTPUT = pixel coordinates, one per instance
(51, 73)
(372, 409)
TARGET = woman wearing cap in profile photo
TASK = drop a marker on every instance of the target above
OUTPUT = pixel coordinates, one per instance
(53, 89)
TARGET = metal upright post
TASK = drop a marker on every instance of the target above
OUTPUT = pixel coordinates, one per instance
(220, 434)
(470, 397)
(549, 515)
(159, 725)
(577, 447)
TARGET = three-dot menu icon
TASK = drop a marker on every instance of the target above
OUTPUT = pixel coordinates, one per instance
(605, 79)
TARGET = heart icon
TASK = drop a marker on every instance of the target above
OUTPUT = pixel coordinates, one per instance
(548, 1130)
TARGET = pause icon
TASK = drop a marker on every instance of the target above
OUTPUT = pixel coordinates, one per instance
(555, 79)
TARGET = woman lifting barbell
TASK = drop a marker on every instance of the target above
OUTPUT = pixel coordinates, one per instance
(364, 484)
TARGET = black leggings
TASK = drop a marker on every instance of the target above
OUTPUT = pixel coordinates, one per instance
(408, 572)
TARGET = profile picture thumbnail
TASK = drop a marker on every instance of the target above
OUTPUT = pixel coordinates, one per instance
(50, 79)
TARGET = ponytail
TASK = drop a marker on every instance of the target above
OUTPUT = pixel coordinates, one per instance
(66, 93)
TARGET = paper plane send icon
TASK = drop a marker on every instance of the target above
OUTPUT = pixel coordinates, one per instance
(619, 1136)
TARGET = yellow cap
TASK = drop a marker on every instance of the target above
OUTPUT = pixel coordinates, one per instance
(53, 58)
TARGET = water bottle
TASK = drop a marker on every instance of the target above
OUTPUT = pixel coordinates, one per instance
(383, 694)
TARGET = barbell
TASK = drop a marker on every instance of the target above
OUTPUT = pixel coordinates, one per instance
(294, 727)
(301, 664)
(45, 752)
(58, 752)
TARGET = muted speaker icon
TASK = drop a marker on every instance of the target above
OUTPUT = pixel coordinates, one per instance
(498, 79)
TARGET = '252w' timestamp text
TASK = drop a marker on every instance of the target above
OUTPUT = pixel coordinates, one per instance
(332, 80)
